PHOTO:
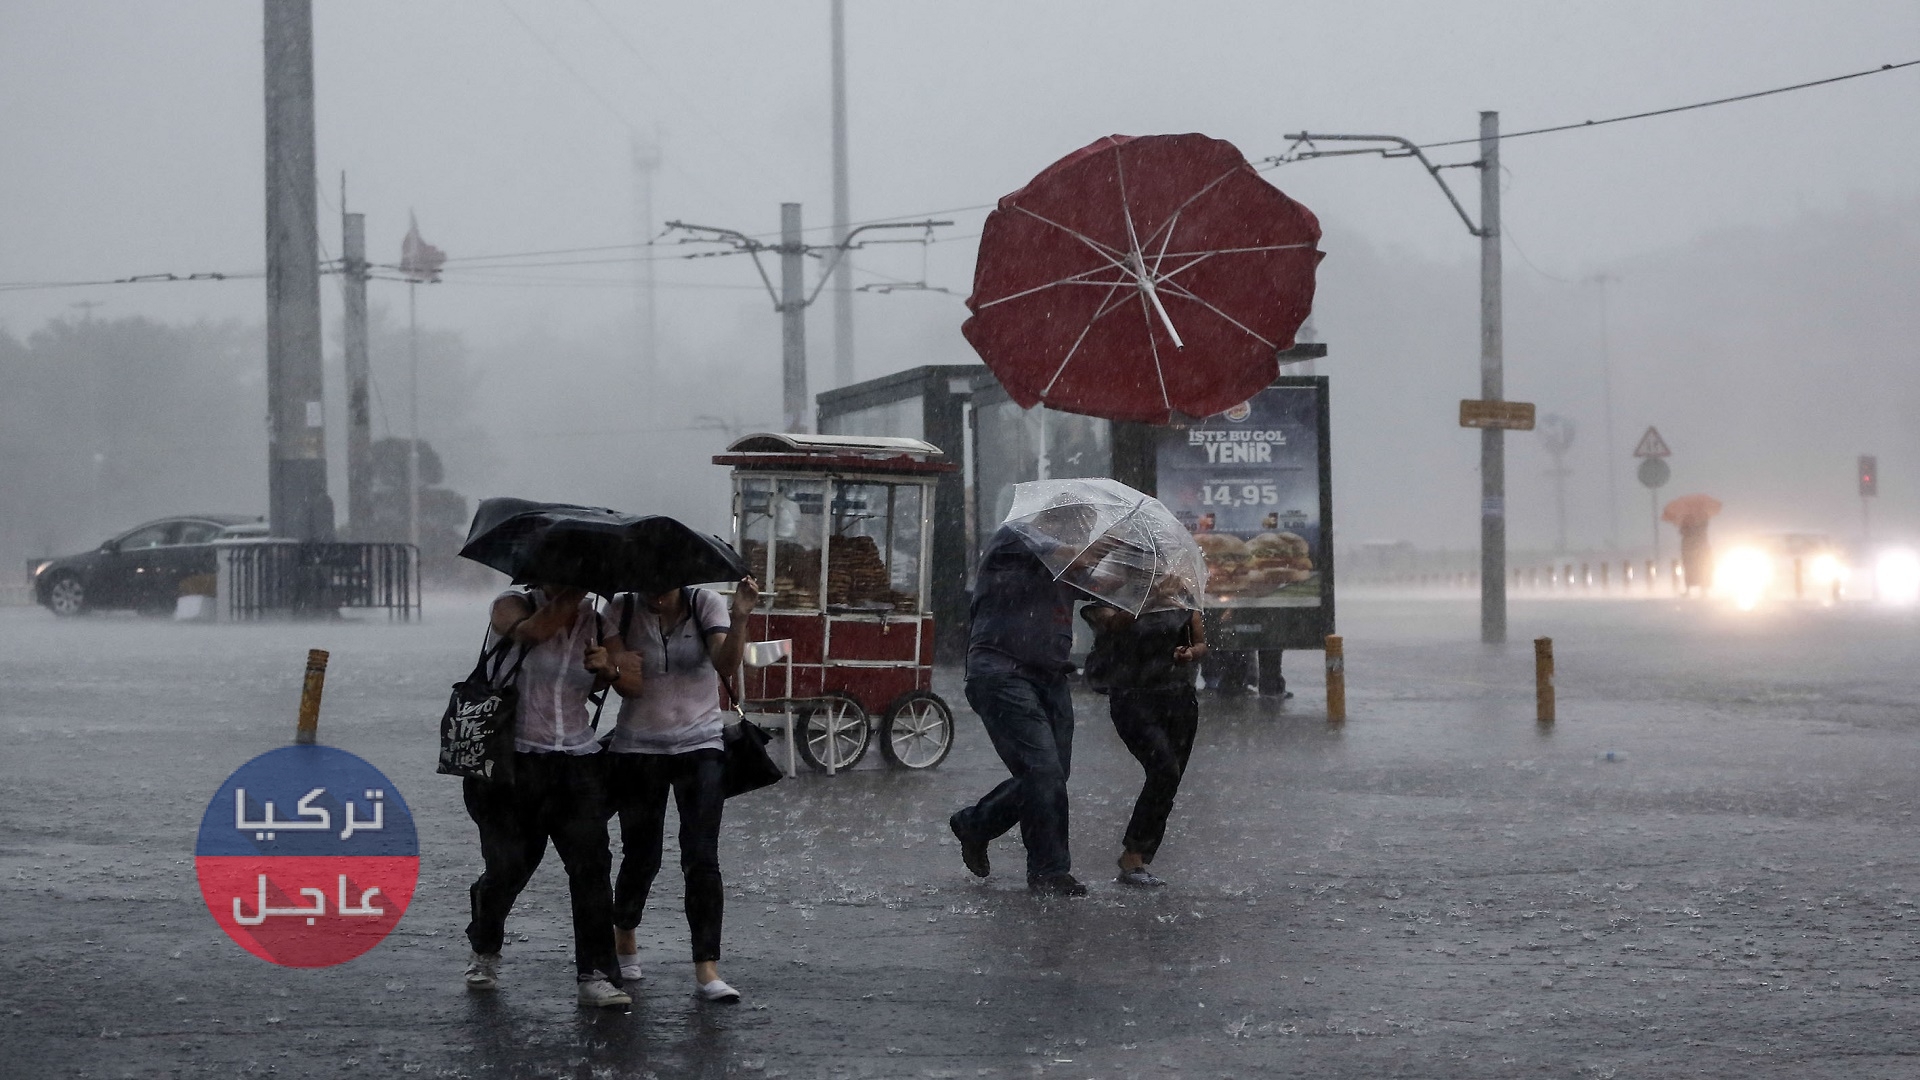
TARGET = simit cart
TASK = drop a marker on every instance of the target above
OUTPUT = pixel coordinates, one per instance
(838, 530)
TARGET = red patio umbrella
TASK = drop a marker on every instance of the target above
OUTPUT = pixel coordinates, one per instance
(1690, 510)
(1140, 276)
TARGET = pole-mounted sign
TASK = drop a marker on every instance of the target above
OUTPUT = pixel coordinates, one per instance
(1652, 446)
(1504, 415)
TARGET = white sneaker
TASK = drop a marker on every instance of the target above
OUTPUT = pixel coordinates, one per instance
(629, 967)
(483, 971)
(602, 994)
(718, 990)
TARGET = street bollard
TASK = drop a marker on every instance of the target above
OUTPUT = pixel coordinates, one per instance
(1606, 576)
(309, 724)
(1336, 680)
(1653, 571)
(1543, 678)
(1586, 577)
(1679, 579)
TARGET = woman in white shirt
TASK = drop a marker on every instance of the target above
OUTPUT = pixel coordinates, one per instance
(565, 652)
(669, 738)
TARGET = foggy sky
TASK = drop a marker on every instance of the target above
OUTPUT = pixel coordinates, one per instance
(133, 136)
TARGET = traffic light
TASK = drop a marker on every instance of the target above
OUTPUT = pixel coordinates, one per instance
(1869, 476)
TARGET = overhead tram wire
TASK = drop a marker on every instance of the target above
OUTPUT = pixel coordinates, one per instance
(1293, 155)
(1882, 69)
(570, 69)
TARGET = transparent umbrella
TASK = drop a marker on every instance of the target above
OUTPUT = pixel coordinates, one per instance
(1111, 542)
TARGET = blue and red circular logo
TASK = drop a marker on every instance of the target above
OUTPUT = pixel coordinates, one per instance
(307, 856)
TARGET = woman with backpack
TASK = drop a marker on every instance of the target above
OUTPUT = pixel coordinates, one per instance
(668, 738)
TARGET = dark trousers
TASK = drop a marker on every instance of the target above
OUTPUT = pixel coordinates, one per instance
(558, 797)
(1158, 726)
(1031, 725)
(639, 783)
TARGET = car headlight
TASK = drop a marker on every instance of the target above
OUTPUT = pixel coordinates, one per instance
(1896, 576)
(1744, 574)
(41, 566)
(1827, 569)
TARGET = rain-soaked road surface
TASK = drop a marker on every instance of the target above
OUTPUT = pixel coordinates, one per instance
(1439, 889)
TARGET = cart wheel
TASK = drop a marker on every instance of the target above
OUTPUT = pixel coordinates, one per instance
(917, 732)
(844, 719)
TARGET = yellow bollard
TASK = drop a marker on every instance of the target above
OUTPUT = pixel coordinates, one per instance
(309, 724)
(1336, 680)
(1543, 678)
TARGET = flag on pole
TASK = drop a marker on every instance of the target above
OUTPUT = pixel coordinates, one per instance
(420, 261)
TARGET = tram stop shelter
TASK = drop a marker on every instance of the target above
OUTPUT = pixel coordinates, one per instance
(1257, 477)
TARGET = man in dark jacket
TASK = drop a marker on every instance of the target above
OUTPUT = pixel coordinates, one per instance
(1021, 634)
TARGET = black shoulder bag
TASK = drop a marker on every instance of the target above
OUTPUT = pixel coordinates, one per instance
(748, 765)
(476, 731)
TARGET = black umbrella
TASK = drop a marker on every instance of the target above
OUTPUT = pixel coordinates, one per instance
(594, 548)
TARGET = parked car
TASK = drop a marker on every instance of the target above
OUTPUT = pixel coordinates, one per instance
(142, 568)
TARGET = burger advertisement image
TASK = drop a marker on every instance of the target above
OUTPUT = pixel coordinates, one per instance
(1247, 482)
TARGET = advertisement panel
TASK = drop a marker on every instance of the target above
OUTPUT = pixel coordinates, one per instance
(1252, 484)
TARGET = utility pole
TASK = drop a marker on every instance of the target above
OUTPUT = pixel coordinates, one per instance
(1493, 488)
(298, 505)
(646, 162)
(793, 321)
(842, 214)
(1606, 385)
(353, 266)
(1493, 448)
(413, 414)
(791, 299)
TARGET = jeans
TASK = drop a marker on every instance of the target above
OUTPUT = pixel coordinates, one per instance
(1031, 725)
(1158, 726)
(558, 797)
(639, 784)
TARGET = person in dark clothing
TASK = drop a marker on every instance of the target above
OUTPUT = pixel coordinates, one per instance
(1145, 667)
(1020, 636)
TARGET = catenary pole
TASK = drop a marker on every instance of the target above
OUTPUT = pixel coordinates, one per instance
(791, 298)
(1493, 460)
(413, 415)
(1493, 502)
(353, 259)
(842, 212)
(1606, 386)
(646, 161)
(298, 506)
(793, 320)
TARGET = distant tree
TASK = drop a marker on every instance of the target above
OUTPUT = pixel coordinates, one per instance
(443, 512)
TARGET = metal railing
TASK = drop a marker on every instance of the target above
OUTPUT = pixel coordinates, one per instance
(261, 580)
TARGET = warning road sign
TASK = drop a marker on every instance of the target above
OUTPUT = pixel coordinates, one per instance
(1652, 445)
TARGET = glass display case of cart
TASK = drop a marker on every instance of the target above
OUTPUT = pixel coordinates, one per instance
(838, 531)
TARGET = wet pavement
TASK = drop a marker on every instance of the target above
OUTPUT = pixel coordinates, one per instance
(1439, 888)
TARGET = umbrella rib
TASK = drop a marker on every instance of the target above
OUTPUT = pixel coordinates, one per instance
(1139, 261)
(1187, 294)
(1113, 255)
(1105, 307)
(1153, 347)
(1077, 279)
(1191, 199)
